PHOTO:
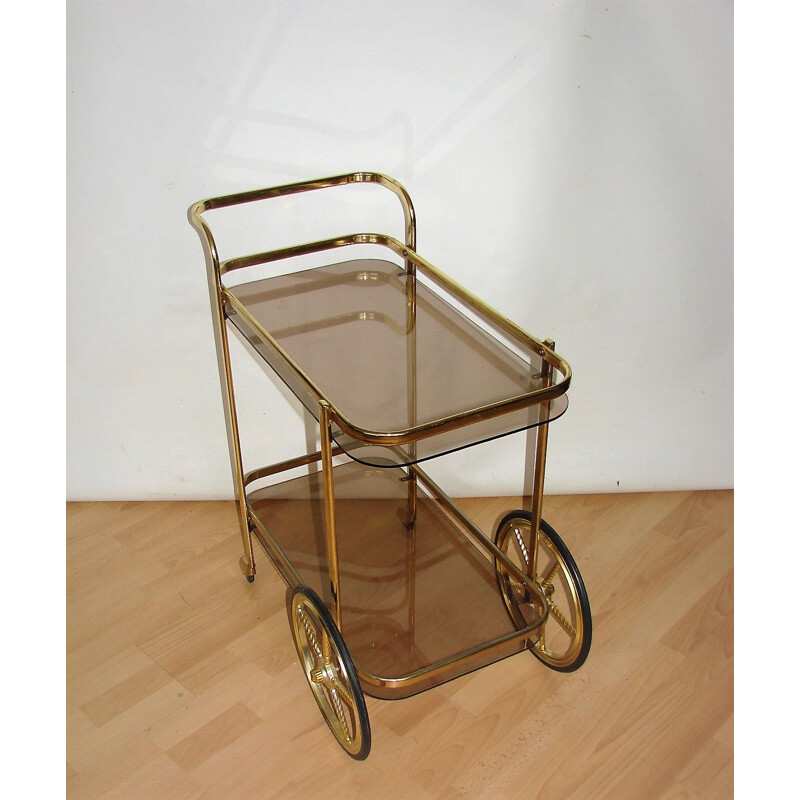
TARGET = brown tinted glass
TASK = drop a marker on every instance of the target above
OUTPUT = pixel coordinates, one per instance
(383, 367)
(410, 598)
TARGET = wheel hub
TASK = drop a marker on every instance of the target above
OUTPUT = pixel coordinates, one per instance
(324, 675)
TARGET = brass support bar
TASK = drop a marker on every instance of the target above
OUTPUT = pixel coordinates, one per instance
(329, 509)
(284, 466)
(448, 668)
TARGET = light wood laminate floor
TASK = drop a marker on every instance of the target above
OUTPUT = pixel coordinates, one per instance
(183, 682)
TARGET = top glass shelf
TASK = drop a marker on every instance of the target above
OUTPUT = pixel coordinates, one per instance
(408, 376)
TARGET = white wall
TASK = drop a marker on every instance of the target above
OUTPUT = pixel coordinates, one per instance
(572, 162)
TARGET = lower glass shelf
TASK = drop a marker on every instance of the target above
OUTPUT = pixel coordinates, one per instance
(412, 598)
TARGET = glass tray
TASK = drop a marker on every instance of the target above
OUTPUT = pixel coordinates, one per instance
(411, 599)
(348, 329)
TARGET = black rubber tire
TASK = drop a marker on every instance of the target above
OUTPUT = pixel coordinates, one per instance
(575, 576)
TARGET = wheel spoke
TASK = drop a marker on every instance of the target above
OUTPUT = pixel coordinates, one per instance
(337, 707)
(521, 545)
(559, 617)
(326, 648)
(344, 692)
(309, 629)
(548, 579)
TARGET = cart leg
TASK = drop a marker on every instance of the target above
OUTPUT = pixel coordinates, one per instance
(411, 382)
(247, 563)
(411, 510)
(537, 489)
(329, 508)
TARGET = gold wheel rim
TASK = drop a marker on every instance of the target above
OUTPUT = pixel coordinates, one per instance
(561, 635)
(326, 673)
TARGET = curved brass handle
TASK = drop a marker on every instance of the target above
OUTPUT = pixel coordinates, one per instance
(224, 201)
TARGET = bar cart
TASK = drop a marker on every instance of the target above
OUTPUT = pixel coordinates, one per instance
(392, 588)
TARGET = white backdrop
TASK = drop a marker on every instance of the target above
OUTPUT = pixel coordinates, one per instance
(571, 162)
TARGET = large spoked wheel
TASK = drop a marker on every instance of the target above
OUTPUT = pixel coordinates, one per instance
(566, 636)
(330, 672)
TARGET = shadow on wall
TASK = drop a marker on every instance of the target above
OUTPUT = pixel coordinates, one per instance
(388, 110)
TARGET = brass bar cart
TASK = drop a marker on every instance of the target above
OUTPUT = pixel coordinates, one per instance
(392, 588)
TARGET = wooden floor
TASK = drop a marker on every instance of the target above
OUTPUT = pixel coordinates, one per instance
(183, 682)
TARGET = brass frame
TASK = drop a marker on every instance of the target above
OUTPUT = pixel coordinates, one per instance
(224, 304)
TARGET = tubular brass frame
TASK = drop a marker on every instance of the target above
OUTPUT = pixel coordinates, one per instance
(225, 304)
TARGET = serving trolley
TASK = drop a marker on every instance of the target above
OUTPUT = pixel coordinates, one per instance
(392, 588)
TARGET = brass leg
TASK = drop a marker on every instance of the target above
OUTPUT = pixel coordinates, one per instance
(330, 516)
(411, 582)
(411, 478)
(411, 382)
(411, 512)
(537, 490)
(247, 563)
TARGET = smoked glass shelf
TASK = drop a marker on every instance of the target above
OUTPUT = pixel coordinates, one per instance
(347, 330)
(404, 610)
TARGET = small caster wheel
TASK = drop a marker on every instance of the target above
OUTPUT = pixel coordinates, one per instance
(247, 570)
